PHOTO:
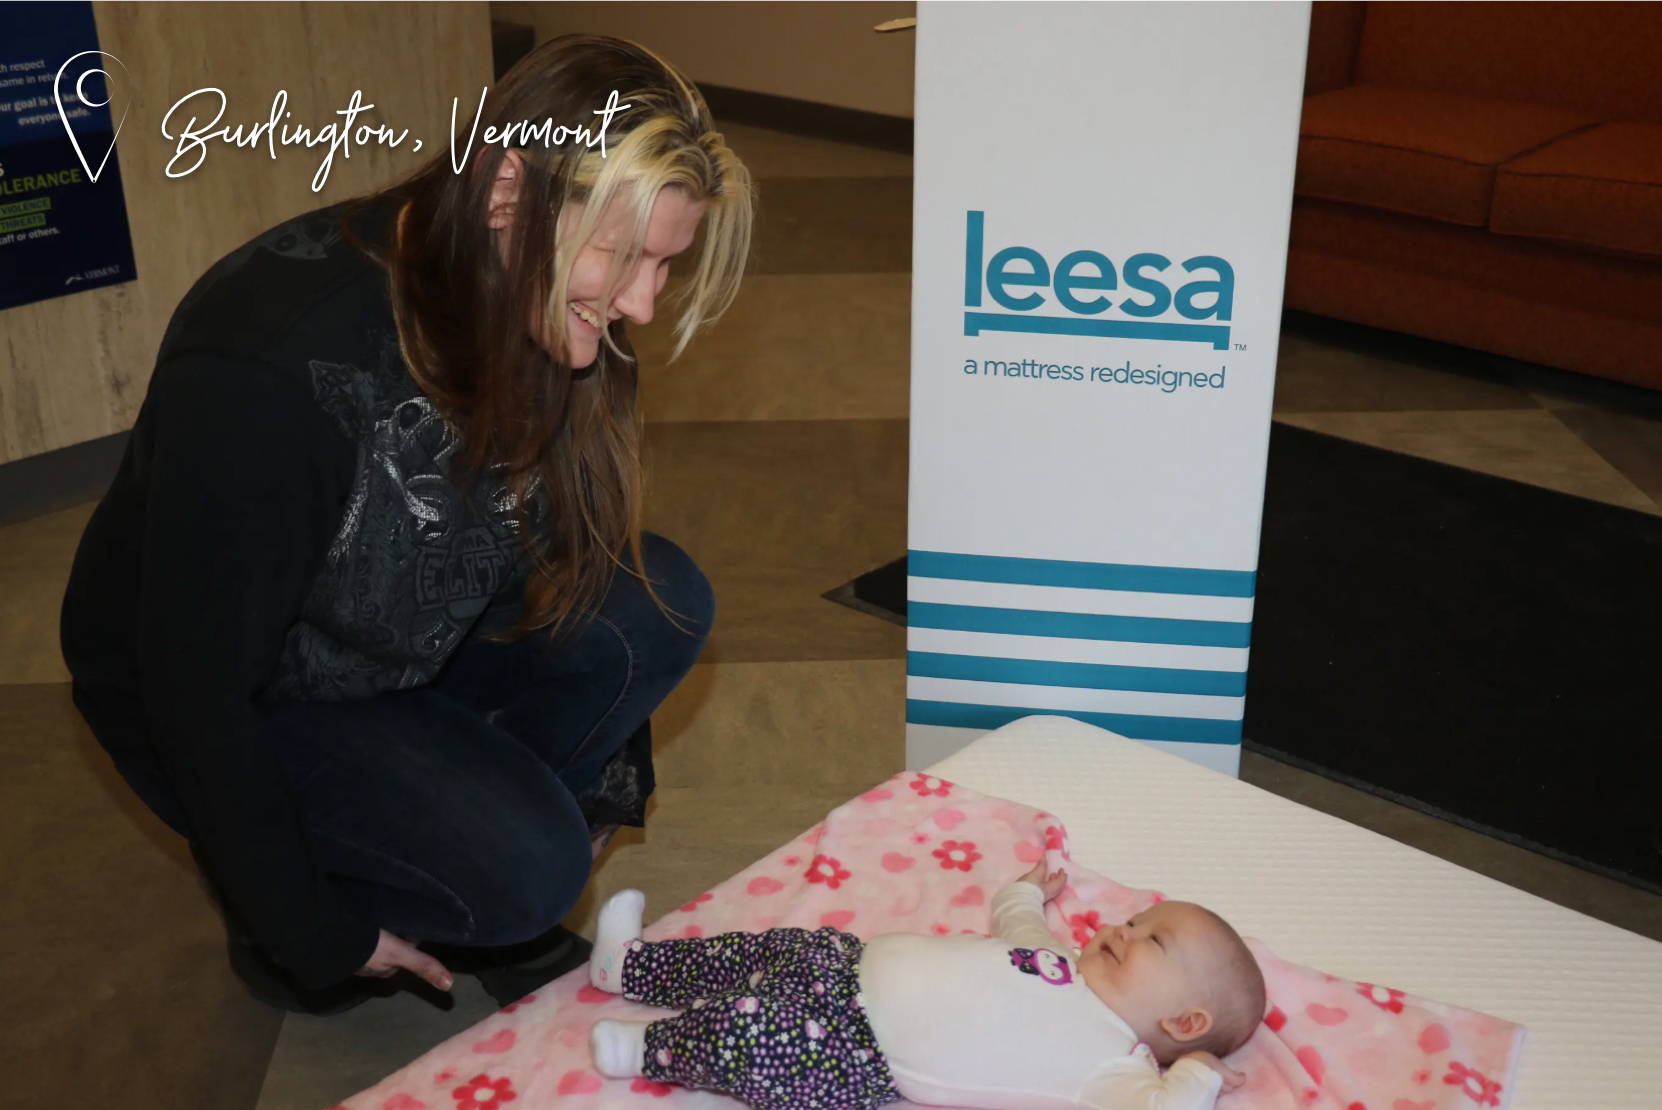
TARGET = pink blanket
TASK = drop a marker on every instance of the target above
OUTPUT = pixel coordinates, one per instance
(923, 855)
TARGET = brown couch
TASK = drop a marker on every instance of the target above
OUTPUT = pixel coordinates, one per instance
(1487, 174)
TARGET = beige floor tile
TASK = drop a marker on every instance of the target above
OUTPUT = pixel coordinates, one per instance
(776, 514)
(1632, 444)
(116, 985)
(1606, 899)
(792, 347)
(1315, 375)
(748, 755)
(774, 154)
(318, 1061)
(1526, 446)
(775, 727)
(35, 556)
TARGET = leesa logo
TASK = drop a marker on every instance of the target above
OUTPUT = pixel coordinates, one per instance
(1190, 303)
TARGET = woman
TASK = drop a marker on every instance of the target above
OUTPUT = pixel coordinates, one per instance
(354, 616)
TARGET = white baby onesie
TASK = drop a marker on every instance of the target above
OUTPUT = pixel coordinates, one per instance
(1007, 1023)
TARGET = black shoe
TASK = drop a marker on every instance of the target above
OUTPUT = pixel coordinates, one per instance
(268, 983)
(509, 974)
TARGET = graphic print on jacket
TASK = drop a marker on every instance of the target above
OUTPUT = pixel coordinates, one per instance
(412, 566)
(1044, 963)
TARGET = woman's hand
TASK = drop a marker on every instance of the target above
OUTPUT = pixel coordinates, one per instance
(1049, 885)
(394, 954)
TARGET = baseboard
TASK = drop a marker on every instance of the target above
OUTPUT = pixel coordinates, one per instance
(809, 119)
(1471, 362)
(45, 483)
(512, 41)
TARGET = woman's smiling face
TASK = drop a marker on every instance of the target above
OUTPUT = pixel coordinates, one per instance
(670, 231)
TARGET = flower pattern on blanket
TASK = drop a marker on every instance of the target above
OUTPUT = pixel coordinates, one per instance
(871, 867)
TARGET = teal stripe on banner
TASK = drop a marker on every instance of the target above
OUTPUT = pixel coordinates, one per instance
(1090, 576)
(977, 322)
(1091, 676)
(1079, 626)
(1193, 730)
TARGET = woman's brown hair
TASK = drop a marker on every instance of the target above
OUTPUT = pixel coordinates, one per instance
(569, 438)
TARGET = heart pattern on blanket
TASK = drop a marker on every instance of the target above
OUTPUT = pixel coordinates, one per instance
(502, 1041)
(1316, 1049)
(642, 1085)
(1326, 1015)
(579, 1082)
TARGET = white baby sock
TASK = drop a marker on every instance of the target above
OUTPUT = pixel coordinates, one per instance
(619, 924)
(619, 1048)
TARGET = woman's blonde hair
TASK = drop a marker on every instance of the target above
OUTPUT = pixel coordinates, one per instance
(567, 439)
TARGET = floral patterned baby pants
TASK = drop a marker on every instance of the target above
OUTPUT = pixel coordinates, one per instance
(772, 1018)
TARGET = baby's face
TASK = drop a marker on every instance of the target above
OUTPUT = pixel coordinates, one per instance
(1155, 965)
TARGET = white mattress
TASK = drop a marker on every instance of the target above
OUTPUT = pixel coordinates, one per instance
(1331, 895)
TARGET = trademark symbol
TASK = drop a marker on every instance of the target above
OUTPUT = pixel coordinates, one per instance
(1240, 346)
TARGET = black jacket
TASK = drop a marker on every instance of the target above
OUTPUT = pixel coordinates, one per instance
(282, 526)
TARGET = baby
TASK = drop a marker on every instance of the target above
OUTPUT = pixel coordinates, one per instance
(803, 1019)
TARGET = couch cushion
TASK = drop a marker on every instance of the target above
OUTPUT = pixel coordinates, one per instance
(1599, 188)
(1417, 151)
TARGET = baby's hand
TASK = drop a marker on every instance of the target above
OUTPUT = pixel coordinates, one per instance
(1050, 885)
(1231, 1077)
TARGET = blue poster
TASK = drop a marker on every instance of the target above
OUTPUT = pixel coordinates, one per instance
(63, 216)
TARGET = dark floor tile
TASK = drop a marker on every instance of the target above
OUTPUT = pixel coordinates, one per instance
(1605, 899)
(116, 986)
(1632, 443)
(777, 513)
(1316, 374)
(833, 225)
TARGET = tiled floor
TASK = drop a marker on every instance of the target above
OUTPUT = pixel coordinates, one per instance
(778, 456)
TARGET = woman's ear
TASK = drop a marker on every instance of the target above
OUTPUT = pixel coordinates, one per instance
(1190, 1025)
(505, 189)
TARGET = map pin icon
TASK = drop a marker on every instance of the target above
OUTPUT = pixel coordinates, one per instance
(81, 98)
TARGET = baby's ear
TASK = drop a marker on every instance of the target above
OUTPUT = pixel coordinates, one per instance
(1190, 1025)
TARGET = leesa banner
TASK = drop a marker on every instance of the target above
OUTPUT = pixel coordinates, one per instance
(1102, 194)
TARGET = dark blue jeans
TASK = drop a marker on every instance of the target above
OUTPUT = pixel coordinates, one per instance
(449, 812)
